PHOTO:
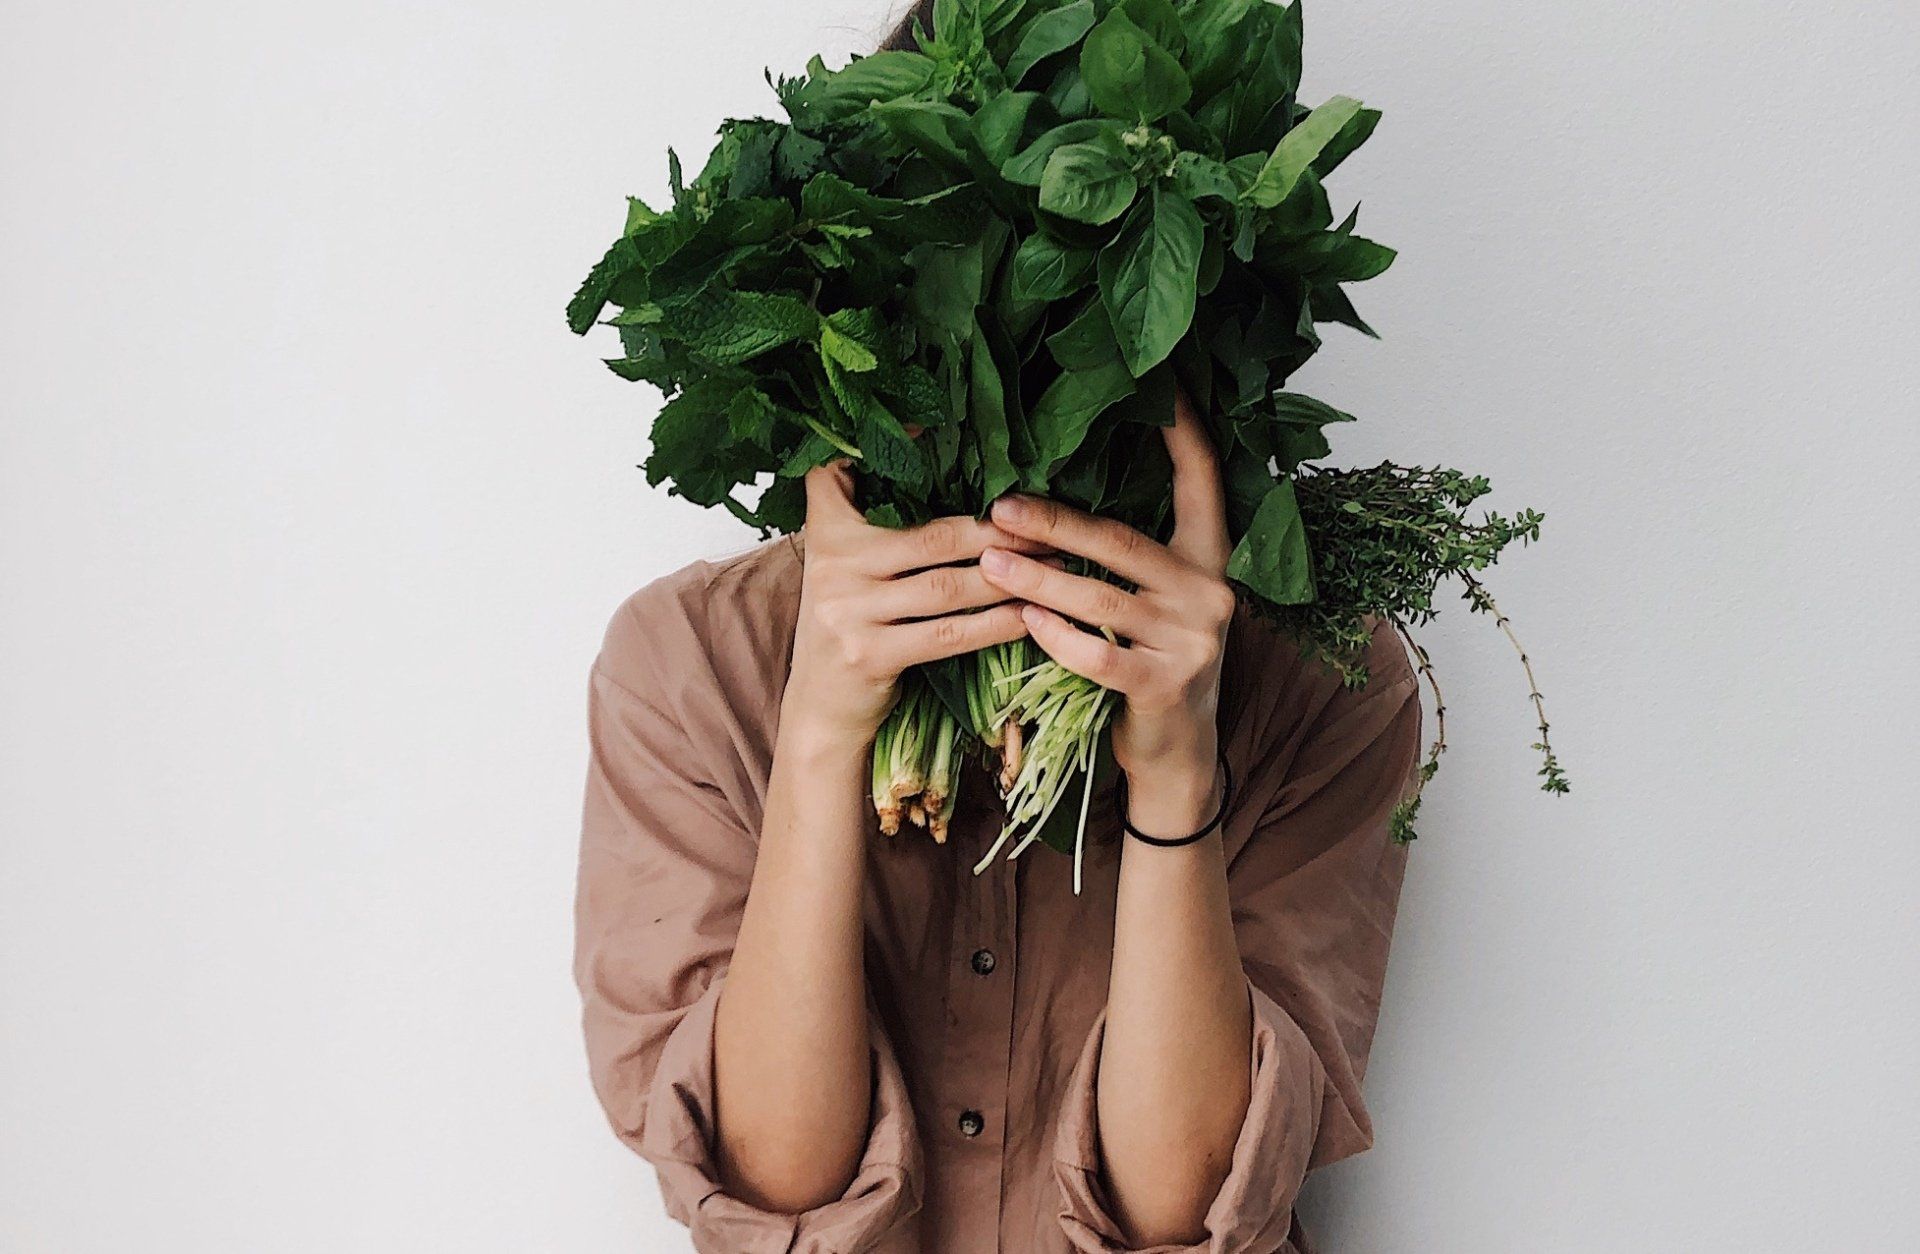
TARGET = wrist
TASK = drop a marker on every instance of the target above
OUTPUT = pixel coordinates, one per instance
(820, 742)
(1170, 758)
(1172, 798)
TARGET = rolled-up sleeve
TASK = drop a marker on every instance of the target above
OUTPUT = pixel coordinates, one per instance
(666, 859)
(1315, 880)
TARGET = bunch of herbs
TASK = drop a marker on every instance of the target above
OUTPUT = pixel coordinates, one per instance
(988, 265)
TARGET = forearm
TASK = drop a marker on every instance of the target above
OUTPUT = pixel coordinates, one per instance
(791, 1054)
(1175, 1064)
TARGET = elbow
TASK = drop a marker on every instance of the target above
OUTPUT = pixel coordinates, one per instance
(1170, 1208)
(784, 1183)
(1174, 1221)
(1183, 1236)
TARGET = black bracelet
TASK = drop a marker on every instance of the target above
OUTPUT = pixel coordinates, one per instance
(1176, 842)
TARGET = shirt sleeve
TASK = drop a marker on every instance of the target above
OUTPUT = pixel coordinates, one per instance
(1315, 881)
(666, 859)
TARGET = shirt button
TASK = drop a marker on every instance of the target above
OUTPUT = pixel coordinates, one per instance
(983, 962)
(972, 1123)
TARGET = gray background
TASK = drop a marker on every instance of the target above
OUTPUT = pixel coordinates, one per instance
(311, 514)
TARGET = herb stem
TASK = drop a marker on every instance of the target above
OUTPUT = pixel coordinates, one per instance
(1554, 780)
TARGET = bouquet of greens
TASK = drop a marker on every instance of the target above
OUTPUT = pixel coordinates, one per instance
(987, 266)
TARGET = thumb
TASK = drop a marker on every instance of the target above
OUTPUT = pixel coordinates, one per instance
(830, 493)
(1199, 504)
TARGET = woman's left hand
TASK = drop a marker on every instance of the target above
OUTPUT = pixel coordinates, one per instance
(1173, 624)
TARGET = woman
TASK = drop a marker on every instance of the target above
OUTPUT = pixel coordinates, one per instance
(825, 1040)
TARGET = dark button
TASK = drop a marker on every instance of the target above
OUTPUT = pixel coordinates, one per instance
(983, 962)
(972, 1123)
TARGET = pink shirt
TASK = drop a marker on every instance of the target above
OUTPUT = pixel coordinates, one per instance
(987, 991)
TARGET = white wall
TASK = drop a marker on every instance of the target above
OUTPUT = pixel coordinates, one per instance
(313, 512)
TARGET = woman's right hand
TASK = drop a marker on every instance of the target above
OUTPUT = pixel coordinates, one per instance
(875, 601)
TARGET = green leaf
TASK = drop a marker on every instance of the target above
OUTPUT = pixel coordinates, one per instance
(1128, 74)
(1091, 182)
(886, 449)
(1050, 33)
(1331, 304)
(837, 247)
(1299, 148)
(1272, 559)
(1330, 257)
(945, 217)
(932, 128)
(728, 328)
(949, 286)
(987, 401)
(752, 417)
(1294, 445)
(815, 450)
(1354, 260)
(1029, 166)
(1160, 20)
(1087, 341)
(832, 97)
(1305, 211)
(1215, 48)
(1067, 93)
(584, 309)
(783, 506)
(1356, 132)
(637, 316)
(685, 435)
(1293, 407)
(741, 164)
(1208, 21)
(638, 216)
(1149, 278)
(1000, 123)
(1196, 176)
(912, 394)
(654, 370)
(1046, 269)
(846, 351)
(798, 156)
(1271, 77)
(1152, 403)
(948, 680)
(997, 15)
(693, 251)
(1064, 412)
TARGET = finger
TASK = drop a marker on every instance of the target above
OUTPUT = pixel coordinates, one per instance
(913, 644)
(1083, 653)
(1199, 506)
(1092, 601)
(1114, 545)
(941, 542)
(830, 494)
(942, 590)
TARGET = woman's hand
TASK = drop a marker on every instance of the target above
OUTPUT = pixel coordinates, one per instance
(1174, 622)
(792, 1054)
(1175, 1071)
(875, 601)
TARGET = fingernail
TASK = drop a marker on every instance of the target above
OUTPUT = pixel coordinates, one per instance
(995, 561)
(1010, 508)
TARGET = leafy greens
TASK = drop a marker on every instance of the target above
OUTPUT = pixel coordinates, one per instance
(987, 266)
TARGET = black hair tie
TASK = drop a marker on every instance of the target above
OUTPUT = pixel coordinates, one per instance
(1176, 842)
